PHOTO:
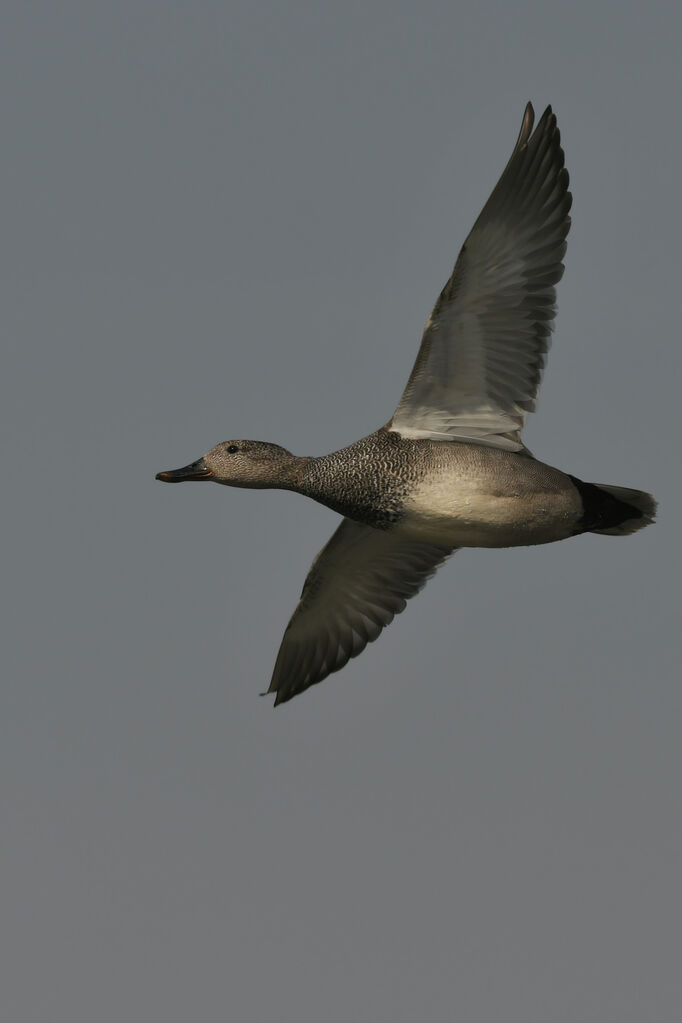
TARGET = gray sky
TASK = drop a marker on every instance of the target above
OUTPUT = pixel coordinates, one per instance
(231, 220)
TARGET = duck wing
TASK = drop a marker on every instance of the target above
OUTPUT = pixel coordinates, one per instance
(358, 582)
(483, 350)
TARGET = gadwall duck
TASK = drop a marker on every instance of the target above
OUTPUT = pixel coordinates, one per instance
(450, 469)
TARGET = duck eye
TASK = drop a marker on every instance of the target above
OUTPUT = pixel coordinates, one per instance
(232, 448)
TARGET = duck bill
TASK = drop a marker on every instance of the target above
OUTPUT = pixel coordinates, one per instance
(194, 471)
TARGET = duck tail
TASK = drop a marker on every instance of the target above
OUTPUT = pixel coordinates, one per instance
(614, 511)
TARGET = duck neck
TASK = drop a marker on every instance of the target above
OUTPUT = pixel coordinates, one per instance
(291, 474)
(352, 486)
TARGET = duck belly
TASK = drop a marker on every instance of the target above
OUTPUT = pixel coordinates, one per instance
(474, 513)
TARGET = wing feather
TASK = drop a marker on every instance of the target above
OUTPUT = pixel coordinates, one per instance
(483, 351)
(360, 580)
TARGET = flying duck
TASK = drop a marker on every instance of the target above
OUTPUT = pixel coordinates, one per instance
(449, 469)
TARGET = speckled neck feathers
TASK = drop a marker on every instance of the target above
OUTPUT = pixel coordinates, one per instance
(369, 480)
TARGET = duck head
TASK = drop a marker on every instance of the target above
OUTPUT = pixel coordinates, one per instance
(240, 463)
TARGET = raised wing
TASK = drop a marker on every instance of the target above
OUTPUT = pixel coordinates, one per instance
(483, 350)
(355, 587)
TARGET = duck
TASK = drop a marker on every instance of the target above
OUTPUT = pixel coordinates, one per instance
(449, 470)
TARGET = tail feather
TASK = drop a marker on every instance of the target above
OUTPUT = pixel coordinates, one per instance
(614, 511)
(638, 502)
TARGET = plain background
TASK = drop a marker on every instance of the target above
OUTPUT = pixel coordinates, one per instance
(227, 220)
